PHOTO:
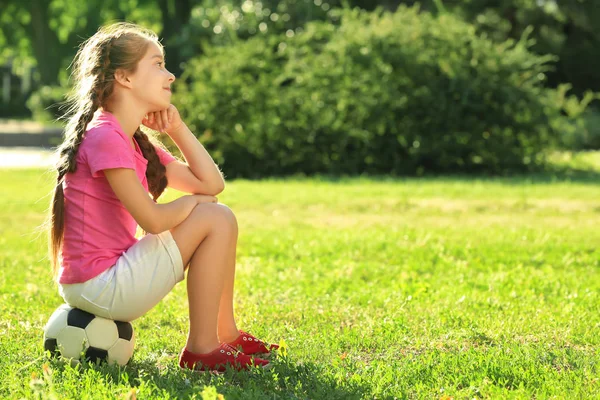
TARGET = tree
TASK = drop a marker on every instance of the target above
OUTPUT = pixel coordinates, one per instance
(566, 28)
(49, 31)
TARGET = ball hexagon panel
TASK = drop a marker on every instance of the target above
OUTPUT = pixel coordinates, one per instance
(102, 333)
(121, 352)
(71, 341)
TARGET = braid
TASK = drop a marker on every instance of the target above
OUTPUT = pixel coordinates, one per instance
(69, 148)
(66, 163)
(104, 90)
(155, 171)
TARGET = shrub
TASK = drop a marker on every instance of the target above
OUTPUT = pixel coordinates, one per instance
(584, 136)
(578, 133)
(399, 93)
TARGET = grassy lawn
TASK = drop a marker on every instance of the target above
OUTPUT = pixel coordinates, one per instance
(410, 288)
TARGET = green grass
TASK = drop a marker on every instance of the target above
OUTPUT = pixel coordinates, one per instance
(380, 288)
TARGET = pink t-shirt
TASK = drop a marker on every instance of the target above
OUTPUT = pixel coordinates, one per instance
(98, 228)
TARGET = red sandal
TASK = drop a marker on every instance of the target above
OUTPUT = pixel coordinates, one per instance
(248, 344)
(218, 360)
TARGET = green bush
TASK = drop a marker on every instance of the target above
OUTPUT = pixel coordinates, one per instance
(580, 129)
(399, 93)
(586, 135)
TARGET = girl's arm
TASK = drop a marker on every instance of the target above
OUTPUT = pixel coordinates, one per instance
(201, 174)
(150, 216)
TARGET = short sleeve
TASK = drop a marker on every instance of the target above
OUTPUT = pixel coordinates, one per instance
(164, 156)
(107, 148)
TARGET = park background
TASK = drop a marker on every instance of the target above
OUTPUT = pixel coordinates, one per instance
(417, 188)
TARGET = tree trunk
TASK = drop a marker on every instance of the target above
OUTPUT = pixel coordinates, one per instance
(172, 24)
(44, 42)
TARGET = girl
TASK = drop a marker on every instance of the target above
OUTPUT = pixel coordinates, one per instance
(106, 168)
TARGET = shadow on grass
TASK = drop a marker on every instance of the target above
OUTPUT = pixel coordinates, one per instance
(286, 380)
(547, 175)
(563, 174)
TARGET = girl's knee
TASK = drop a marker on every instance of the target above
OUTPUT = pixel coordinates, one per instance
(221, 215)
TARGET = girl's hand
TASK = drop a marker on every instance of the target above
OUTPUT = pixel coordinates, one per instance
(167, 120)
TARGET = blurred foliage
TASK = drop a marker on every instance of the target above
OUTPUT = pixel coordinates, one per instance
(566, 28)
(399, 93)
(472, 97)
(47, 103)
(586, 136)
(46, 33)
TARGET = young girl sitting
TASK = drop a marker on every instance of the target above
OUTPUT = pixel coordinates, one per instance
(106, 168)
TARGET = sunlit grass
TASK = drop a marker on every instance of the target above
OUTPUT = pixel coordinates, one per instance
(407, 288)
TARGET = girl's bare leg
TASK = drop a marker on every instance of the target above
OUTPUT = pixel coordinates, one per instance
(226, 326)
(206, 239)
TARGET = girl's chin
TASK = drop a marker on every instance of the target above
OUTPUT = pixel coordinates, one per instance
(159, 107)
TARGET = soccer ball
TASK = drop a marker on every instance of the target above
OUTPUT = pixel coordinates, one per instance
(71, 332)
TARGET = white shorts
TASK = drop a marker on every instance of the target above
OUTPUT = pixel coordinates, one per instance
(141, 277)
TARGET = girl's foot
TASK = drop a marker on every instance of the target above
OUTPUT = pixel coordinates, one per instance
(248, 344)
(218, 359)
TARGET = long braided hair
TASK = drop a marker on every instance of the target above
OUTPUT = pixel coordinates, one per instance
(118, 46)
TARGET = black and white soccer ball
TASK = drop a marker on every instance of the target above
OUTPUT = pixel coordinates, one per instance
(71, 333)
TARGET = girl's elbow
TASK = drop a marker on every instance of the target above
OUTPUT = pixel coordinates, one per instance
(219, 188)
(152, 225)
(152, 228)
(209, 188)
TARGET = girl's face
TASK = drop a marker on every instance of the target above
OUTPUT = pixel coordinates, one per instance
(152, 81)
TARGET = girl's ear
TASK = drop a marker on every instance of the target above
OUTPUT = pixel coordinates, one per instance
(122, 77)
